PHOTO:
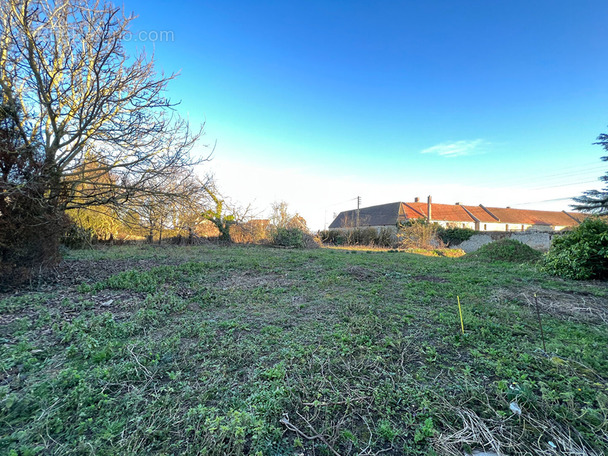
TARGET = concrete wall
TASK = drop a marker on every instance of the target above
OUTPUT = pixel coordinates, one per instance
(538, 240)
(496, 226)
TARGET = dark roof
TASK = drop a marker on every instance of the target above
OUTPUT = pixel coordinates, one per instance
(390, 214)
(383, 215)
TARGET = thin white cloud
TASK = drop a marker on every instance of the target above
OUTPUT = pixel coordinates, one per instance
(456, 148)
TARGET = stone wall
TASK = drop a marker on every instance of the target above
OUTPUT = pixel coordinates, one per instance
(536, 239)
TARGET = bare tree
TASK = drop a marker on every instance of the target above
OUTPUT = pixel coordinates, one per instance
(224, 214)
(87, 106)
(177, 207)
(281, 217)
(279, 214)
(79, 107)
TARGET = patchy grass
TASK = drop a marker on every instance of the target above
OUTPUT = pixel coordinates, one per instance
(210, 350)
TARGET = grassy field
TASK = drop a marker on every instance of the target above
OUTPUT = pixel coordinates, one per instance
(252, 350)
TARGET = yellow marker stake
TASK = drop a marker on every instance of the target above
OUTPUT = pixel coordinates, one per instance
(460, 312)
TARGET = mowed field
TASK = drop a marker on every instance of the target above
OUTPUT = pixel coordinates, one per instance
(254, 350)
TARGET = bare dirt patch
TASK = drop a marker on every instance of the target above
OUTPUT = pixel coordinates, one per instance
(76, 272)
(79, 271)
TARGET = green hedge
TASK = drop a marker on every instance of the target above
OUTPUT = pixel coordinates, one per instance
(359, 236)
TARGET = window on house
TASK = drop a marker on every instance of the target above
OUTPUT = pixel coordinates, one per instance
(507, 227)
(522, 228)
(485, 227)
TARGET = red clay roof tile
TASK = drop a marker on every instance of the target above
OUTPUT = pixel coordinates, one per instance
(390, 214)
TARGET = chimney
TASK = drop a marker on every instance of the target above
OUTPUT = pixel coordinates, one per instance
(429, 216)
(416, 200)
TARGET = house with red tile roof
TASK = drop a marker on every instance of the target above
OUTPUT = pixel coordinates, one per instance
(479, 218)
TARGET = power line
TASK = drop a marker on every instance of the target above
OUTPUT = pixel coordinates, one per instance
(564, 185)
(536, 181)
(341, 202)
(358, 199)
(545, 201)
(586, 174)
(562, 173)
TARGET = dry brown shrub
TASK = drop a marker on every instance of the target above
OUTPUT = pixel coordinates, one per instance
(418, 234)
(250, 232)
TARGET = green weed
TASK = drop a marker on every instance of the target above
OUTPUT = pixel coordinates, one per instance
(359, 352)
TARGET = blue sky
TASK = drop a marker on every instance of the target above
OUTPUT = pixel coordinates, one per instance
(318, 102)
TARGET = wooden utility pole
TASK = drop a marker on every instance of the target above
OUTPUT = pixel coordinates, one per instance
(358, 206)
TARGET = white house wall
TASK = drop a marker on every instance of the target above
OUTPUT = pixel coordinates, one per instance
(452, 224)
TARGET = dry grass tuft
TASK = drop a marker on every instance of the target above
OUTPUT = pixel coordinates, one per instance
(475, 432)
(361, 273)
(542, 437)
(568, 305)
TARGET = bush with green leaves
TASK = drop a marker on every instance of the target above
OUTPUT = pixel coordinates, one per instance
(454, 236)
(581, 254)
(289, 237)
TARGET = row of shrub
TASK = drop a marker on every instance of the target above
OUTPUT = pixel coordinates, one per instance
(383, 237)
(413, 234)
(417, 234)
